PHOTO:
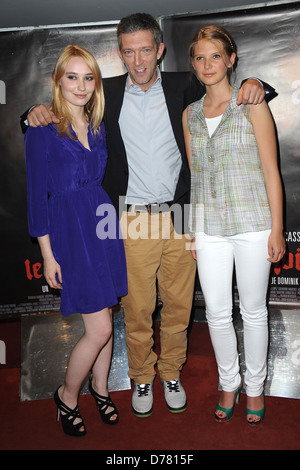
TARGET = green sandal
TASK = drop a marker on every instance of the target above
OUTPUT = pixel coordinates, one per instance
(259, 413)
(228, 411)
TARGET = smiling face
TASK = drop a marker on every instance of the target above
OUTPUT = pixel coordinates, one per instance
(77, 83)
(140, 54)
(210, 61)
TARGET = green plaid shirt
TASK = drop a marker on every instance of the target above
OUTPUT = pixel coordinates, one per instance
(228, 193)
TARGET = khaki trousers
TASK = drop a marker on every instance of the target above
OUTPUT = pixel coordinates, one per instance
(156, 255)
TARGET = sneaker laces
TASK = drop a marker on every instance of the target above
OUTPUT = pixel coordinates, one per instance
(173, 385)
(143, 389)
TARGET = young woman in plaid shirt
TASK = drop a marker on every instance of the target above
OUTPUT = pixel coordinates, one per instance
(236, 216)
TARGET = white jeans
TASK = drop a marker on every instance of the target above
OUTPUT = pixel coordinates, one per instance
(216, 257)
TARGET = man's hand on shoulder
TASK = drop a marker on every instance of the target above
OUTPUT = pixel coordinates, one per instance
(40, 115)
(251, 92)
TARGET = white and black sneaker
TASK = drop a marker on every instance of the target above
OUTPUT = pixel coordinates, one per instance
(142, 400)
(175, 395)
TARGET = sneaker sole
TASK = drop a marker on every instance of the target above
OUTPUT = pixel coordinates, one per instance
(142, 415)
(177, 410)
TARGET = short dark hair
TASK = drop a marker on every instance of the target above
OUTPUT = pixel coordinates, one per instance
(139, 22)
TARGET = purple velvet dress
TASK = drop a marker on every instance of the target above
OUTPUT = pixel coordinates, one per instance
(66, 201)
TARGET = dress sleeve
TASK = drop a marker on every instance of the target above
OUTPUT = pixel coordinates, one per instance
(37, 179)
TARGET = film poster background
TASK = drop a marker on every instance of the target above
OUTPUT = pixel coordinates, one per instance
(26, 64)
(268, 41)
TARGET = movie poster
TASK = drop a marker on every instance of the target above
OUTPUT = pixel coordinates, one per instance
(26, 63)
(268, 41)
(268, 46)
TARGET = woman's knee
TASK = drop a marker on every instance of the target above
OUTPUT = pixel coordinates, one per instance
(99, 326)
(219, 317)
(254, 314)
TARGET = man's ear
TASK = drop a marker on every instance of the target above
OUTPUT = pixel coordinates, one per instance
(120, 55)
(160, 50)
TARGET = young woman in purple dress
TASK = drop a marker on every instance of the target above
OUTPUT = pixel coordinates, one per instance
(82, 252)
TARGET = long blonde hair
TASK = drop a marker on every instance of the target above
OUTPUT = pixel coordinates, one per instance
(94, 109)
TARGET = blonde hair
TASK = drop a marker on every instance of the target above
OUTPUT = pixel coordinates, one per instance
(94, 109)
(216, 33)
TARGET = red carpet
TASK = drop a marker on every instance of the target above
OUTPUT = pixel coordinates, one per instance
(33, 426)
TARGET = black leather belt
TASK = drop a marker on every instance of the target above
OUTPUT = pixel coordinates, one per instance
(152, 208)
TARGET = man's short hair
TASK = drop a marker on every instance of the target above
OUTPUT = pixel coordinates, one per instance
(139, 22)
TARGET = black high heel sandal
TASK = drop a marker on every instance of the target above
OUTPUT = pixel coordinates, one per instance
(103, 403)
(68, 417)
